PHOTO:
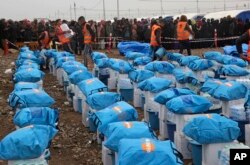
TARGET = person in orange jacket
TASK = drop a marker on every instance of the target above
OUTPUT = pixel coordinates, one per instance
(61, 36)
(44, 39)
(183, 32)
(245, 38)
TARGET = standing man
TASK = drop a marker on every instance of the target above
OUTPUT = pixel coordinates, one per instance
(88, 39)
(183, 33)
(155, 40)
(245, 38)
(61, 36)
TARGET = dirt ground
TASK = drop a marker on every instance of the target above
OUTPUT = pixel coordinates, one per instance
(74, 144)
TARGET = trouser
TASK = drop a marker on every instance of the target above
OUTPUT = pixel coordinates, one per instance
(86, 52)
(154, 50)
(67, 47)
(5, 46)
(185, 44)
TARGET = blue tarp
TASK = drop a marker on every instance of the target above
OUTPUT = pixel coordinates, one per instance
(148, 152)
(184, 61)
(212, 128)
(91, 86)
(30, 98)
(120, 111)
(160, 66)
(25, 86)
(213, 55)
(48, 53)
(28, 56)
(120, 65)
(126, 130)
(26, 143)
(230, 60)
(232, 70)
(27, 66)
(224, 90)
(37, 116)
(102, 63)
(201, 64)
(154, 84)
(72, 66)
(231, 50)
(102, 100)
(188, 104)
(174, 56)
(24, 48)
(140, 75)
(62, 60)
(25, 62)
(166, 95)
(161, 52)
(28, 75)
(134, 47)
(79, 76)
(142, 61)
(183, 76)
(98, 55)
(134, 55)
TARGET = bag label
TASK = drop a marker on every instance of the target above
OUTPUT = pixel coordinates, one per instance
(128, 125)
(148, 146)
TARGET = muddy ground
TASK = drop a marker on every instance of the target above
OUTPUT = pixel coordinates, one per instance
(74, 144)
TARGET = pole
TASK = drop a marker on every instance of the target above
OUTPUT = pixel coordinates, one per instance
(161, 9)
(104, 11)
(138, 11)
(118, 9)
(75, 10)
(197, 6)
(224, 5)
(70, 12)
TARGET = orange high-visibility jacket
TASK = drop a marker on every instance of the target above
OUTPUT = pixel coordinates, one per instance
(61, 36)
(86, 34)
(153, 41)
(248, 51)
(182, 34)
(45, 42)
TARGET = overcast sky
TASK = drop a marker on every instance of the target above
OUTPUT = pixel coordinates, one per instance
(92, 9)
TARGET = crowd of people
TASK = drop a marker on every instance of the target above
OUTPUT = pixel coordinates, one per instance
(123, 29)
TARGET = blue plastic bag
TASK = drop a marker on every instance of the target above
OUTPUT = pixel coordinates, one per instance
(213, 55)
(120, 65)
(57, 55)
(102, 100)
(91, 86)
(28, 75)
(28, 56)
(184, 61)
(30, 98)
(134, 55)
(25, 62)
(202, 64)
(174, 56)
(126, 130)
(37, 116)
(72, 66)
(25, 86)
(142, 61)
(102, 63)
(232, 70)
(224, 90)
(166, 95)
(183, 76)
(27, 66)
(98, 55)
(133, 46)
(212, 128)
(120, 111)
(26, 143)
(48, 53)
(160, 53)
(140, 75)
(232, 50)
(24, 48)
(148, 152)
(188, 104)
(79, 76)
(62, 60)
(160, 66)
(230, 60)
(154, 84)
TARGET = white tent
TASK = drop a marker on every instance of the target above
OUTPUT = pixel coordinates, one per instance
(189, 15)
(222, 14)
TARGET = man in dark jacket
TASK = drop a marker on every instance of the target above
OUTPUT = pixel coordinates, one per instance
(245, 38)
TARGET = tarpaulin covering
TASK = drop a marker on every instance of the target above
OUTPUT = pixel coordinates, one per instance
(154, 84)
(160, 53)
(232, 50)
(126, 130)
(183, 76)
(184, 61)
(134, 55)
(140, 75)
(160, 66)
(28, 75)
(102, 63)
(36, 115)
(148, 152)
(166, 95)
(25, 86)
(232, 70)
(120, 65)
(91, 86)
(79, 76)
(26, 143)
(62, 60)
(102, 100)
(120, 111)
(188, 104)
(134, 47)
(212, 128)
(201, 64)
(72, 66)
(174, 56)
(98, 55)
(230, 60)
(142, 61)
(213, 55)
